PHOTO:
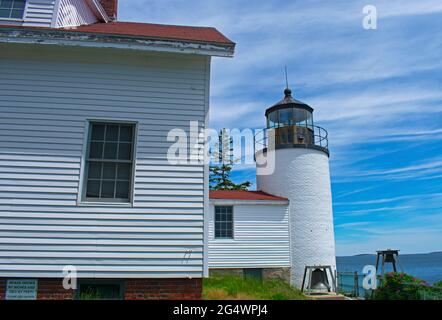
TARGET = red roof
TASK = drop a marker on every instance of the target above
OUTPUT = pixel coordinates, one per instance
(150, 30)
(244, 195)
(144, 30)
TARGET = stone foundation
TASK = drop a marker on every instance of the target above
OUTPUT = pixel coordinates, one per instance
(267, 273)
(226, 272)
(277, 273)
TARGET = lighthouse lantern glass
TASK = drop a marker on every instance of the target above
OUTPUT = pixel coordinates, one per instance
(302, 118)
(272, 120)
(290, 117)
(285, 117)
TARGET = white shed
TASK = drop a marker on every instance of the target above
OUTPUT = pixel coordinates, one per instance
(249, 232)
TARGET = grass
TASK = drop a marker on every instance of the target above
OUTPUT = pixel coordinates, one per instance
(90, 294)
(238, 288)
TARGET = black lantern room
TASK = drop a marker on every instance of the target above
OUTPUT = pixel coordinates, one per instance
(292, 122)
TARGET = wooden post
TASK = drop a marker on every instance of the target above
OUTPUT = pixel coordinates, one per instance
(377, 262)
(383, 263)
(356, 286)
(399, 263)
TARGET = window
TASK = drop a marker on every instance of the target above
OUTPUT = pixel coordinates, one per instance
(99, 290)
(223, 222)
(12, 9)
(255, 274)
(109, 162)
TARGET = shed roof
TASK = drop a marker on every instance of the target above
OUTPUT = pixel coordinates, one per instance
(244, 195)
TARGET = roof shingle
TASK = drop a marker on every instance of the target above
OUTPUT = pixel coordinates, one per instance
(244, 195)
(150, 30)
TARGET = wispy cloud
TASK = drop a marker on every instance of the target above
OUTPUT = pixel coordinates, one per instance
(368, 211)
(392, 199)
(378, 93)
(352, 224)
(414, 171)
(400, 8)
(352, 192)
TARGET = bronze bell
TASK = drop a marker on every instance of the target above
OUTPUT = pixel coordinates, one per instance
(319, 280)
(389, 257)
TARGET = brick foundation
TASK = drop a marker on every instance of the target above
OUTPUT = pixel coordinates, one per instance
(163, 289)
(2, 289)
(134, 289)
(52, 289)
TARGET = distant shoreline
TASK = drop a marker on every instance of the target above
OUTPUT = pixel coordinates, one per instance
(425, 266)
(401, 254)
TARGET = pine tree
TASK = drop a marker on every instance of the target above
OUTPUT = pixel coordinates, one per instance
(220, 174)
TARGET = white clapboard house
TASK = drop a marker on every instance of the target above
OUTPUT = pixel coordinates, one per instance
(86, 186)
(86, 104)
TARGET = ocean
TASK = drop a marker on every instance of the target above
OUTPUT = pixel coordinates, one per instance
(427, 267)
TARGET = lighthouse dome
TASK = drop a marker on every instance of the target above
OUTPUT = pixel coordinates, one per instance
(291, 121)
(289, 101)
(289, 112)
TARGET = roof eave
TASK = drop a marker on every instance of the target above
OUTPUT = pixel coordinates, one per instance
(248, 202)
(89, 39)
(99, 10)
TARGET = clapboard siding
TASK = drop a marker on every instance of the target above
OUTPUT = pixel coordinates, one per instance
(74, 13)
(261, 238)
(39, 13)
(46, 97)
(56, 13)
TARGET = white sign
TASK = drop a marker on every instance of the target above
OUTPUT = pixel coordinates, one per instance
(21, 289)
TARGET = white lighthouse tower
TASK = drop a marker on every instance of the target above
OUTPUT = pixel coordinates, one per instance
(300, 172)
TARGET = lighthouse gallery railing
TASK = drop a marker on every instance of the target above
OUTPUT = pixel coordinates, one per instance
(295, 136)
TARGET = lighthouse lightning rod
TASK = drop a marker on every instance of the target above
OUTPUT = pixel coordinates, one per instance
(286, 78)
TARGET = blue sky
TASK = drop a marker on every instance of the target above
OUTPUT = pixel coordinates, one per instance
(377, 92)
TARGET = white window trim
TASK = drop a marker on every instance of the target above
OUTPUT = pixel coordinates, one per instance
(12, 19)
(226, 240)
(22, 19)
(81, 201)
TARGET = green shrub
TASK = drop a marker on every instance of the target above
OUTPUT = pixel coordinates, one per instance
(399, 286)
(438, 284)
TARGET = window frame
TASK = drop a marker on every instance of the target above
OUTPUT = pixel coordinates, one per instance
(11, 9)
(233, 223)
(83, 199)
(93, 282)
